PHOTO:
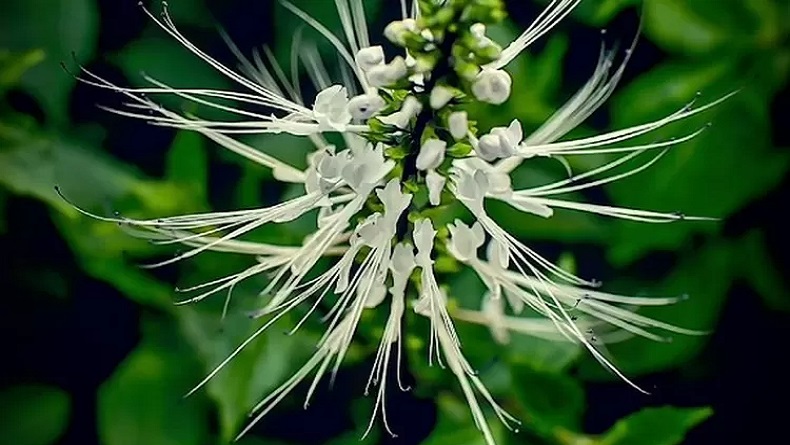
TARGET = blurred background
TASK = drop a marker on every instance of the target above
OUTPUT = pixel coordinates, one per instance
(96, 353)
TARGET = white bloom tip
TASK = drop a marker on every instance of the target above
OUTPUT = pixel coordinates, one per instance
(492, 86)
(459, 124)
(440, 96)
(367, 58)
(431, 154)
(435, 183)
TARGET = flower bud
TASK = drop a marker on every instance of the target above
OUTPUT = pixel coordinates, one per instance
(431, 154)
(396, 31)
(465, 240)
(440, 96)
(435, 183)
(492, 86)
(367, 58)
(365, 106)
(411, 107)
(330, 109)
(388, 74)
(459, 124)
(501, 142)
(478, 31)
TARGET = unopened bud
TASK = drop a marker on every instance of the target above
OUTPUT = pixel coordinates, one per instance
(492, 86)
(367, 58)
(396, 31)
(431, 154)
(459, 125)
(440, 96)
(386, 75)
(435, 183)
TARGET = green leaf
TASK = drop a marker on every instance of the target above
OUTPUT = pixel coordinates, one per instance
(32, 165)
(549, 401)
(455, 426)
(695, 177)
(187, 164)
(258, 369)
(59, 28)
(191, 12)
(699, 27)
(542, 354)
(142, 402)
(655, 426)
(33, 414)
(601, 12)
(755, 265)
(14, 65)
(705, 277)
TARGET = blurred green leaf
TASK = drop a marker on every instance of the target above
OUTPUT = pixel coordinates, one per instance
(655, 426)
(542, 354)
(361, 412)
(569, 226)
(455, 425)
(600, 12)
(32, 165)
(704, 276)
(767, 281)
(33, 414)
(59, 28)
(189, 12)
(187, 164)
(14, 65)
(242, 383)
(695, 177)
(549, 401)
(697, 27)
(142, 402)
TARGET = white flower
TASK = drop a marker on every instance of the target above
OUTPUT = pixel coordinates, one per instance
(435, 183)
(459, 124)
(379, 238)
(492, 86)
(365, 106)
(464, 241)
(500, 143)
(331, 109)
(440, 96)
(431, 154)
(396, 31)
(388, 74)
(367, 58)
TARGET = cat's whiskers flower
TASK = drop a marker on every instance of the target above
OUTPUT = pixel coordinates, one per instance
(407, 146)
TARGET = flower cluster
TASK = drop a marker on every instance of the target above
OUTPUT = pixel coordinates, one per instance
(409, 147)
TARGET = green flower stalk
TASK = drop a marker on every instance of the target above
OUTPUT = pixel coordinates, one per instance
(409, 150)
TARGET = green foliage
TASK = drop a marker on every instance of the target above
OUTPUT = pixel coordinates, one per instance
(655, 426)
(63, 30)
(33, 414)
(143, 400)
